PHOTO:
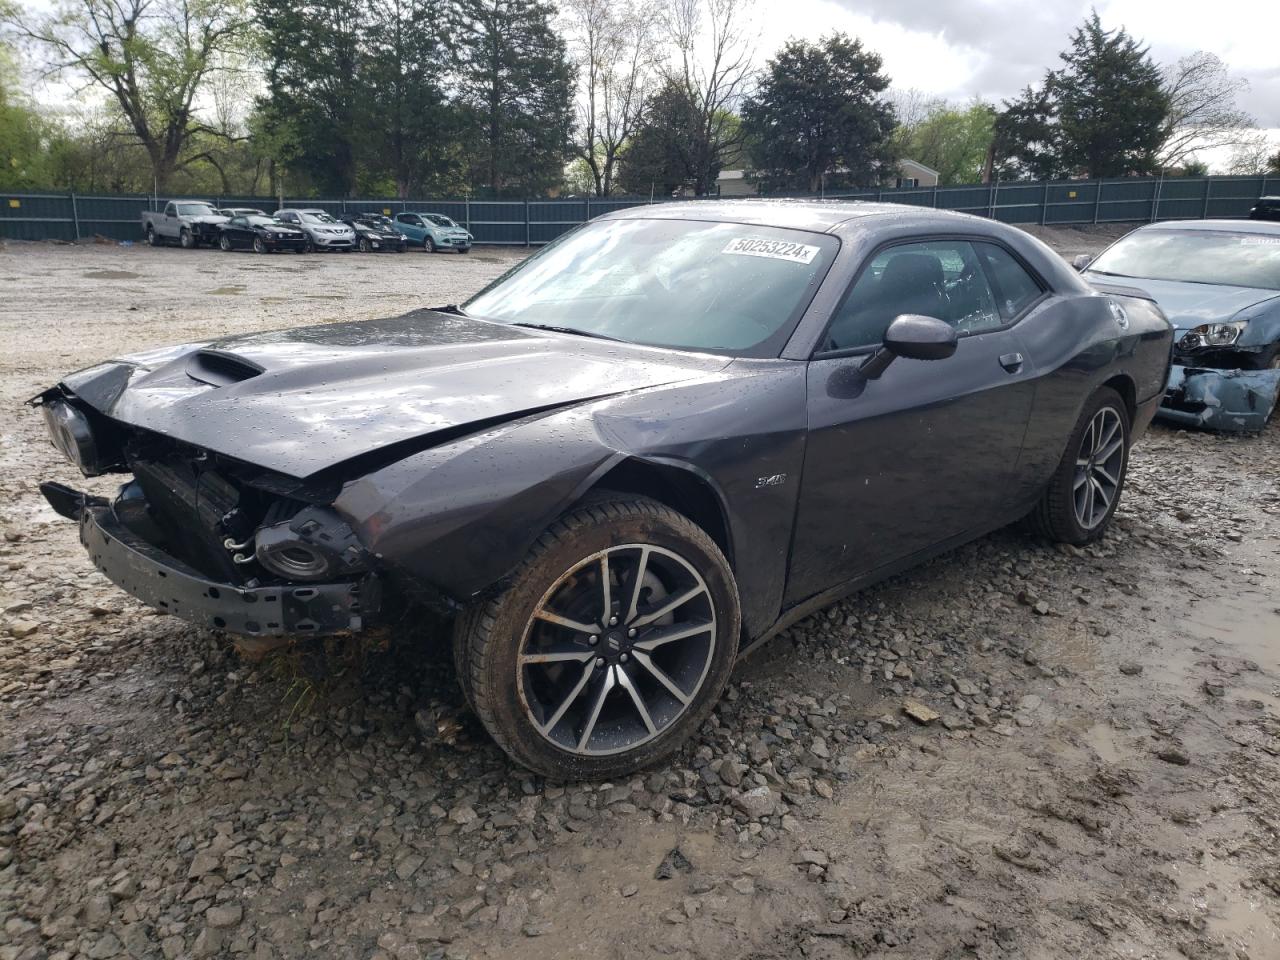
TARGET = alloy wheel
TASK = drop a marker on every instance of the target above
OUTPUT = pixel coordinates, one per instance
(617, 650)
(224, 243)
(258, 245)
(1099, 466)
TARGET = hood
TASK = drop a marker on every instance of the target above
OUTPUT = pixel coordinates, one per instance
(300, 401)
(207, 218)
(1188, 305)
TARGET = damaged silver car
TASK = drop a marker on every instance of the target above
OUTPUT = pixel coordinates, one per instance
(1218, 281)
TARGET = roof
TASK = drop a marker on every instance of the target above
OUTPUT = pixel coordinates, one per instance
(817, 215)
(1271, 228)
(905, 161)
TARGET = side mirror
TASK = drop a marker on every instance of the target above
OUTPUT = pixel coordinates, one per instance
(1082, 261)
(915, 338)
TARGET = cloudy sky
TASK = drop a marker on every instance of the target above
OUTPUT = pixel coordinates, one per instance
(993, 48)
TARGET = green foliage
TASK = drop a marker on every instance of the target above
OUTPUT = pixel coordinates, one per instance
(1110, 103)
(819, 112)
(516, 90)
(1026, 140)
(663, 153)
(24, 134)
(952, 140)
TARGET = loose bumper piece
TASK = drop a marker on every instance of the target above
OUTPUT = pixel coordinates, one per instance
(1234, 400)
(165, 583)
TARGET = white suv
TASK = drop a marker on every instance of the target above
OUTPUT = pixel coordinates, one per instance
(322, 230)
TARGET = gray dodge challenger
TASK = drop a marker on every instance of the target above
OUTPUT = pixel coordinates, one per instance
(641, 452)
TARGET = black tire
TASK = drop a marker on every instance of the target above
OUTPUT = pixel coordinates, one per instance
(428, 245)
(364, 245)
(464, 249)
(224, 243)
(153, 240)
(259, 246)
(1058, 515)
(185, 240)
(489, 640)
(308, 245)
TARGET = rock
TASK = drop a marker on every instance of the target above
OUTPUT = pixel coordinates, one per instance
(22, 628)
(224, 915)
(756, 803)
(1131, 669)
(811, 856)
(462, 814)
(630, 890)
(408, 865)
(674, 862)
(538, 928)
(1174, 756)
(918, 712)
(731, 772)
(1214, 688)
(744, 885)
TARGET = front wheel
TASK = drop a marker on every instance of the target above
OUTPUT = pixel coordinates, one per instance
(1082, 496)
(611, 645)
(186, 240)
(259, 246)
(428, 245)
(224, 243)
(364, 245)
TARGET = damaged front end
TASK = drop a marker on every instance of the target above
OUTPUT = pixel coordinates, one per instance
(204, 538)
(1220, 399)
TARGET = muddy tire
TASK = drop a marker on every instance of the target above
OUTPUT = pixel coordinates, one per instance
(613, 642)
(1082, 496)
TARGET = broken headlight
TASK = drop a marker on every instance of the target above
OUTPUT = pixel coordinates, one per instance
(313, 545)
(1211, 335)
(70, 432)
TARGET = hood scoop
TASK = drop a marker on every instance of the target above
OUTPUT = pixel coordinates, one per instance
(220, 369)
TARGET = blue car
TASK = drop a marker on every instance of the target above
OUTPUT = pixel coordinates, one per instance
(433, 231)
(1218, 281)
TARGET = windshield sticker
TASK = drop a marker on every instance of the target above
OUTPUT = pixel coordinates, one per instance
(773, 249)
(1260, 241)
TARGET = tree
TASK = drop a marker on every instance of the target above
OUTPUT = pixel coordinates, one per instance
(1273, 164)
(517, 85)
(1110, 103)
(820, 109)
(1251, 157)
(410, 127)
(315, 101)
(153, 58)
(1202, 108)
(952, 140)
(668, 146)
(24, 161)
(612, 45)
(1025, 139)
(711, 72)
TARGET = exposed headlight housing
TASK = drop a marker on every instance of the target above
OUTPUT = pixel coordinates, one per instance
(1211, 335)
(70, 432)
(315, 544)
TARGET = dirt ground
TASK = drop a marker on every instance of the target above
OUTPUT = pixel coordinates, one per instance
(1103, 778)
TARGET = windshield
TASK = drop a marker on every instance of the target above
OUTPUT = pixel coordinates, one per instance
(318, 218)
(374, 223)
(727, 287)
(440, 221)
(257, 218)
(195, 210)
(1196, 256)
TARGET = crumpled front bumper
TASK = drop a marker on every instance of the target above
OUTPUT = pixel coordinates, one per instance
(165, 583)
(1234, 400)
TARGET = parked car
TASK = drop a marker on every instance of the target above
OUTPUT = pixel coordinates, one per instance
(375, 232)
(322, 231)
(652, 445)
(189, 223)
(434, 231)
(229, 212)
(260, 233)
(1267, 208)
(1218, 281)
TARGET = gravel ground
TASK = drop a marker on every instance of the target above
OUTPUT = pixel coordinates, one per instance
(1018, 750)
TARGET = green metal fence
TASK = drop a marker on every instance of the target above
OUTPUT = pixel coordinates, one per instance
(63, 216)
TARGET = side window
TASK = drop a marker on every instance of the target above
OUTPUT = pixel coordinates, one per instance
(1014, 288)
(940, 279)
(170, 210)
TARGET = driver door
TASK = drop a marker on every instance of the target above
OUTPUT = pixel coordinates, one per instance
(410, 224)
(922, 455)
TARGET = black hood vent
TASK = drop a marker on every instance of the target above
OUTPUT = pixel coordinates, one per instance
(220, 369)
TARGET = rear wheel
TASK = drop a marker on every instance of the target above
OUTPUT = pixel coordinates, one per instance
(152, 239)
(612, 644)
(308, 245)
(1082, 496)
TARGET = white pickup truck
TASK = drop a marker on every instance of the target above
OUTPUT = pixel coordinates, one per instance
(189, 222)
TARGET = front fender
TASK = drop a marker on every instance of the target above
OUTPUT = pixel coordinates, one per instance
(456, 519)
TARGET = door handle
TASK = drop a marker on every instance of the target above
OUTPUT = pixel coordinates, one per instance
(1012, 362)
